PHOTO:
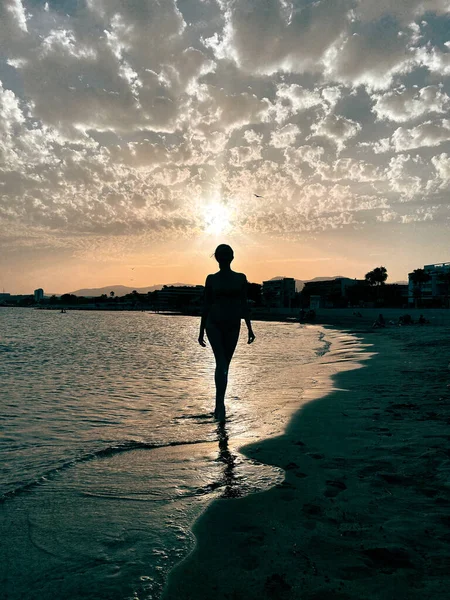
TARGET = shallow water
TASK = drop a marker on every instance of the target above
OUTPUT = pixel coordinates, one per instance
(109, 450)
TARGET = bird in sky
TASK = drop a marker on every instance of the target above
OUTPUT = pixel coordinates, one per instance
(132, 268)
(258, 196)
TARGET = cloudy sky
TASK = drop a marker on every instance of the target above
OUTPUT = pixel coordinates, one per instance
(135, 133)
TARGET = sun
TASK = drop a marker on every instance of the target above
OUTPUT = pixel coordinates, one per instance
(217, 219)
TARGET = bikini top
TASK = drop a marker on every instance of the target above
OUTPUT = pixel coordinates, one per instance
(221, 293)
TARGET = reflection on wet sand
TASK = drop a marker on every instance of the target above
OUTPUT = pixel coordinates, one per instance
(230, 481)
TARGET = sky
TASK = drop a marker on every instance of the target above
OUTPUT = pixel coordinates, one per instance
(134, 135)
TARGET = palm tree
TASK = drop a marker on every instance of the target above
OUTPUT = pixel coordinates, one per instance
(112, 294)
(418, 277)
(377, 279)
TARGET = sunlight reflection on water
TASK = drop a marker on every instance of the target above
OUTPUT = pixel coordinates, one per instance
(87, 398)
(75, 382)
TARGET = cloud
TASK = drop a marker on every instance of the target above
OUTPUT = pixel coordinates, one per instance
(402, 10)
(286, 136)
(244, 154)
(416, 216)
(265, 38)
(388, 216)
(10, 112)
(337, 128)
(293, 99)
(371, 55)
(441, 163)
(350, 169)
(402, 176)
(421, 214)
(408, 104)
(426, 134)
(434, 59)
(119, 118)
(13, 26)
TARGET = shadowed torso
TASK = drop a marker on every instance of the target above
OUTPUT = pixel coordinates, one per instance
(225, 296)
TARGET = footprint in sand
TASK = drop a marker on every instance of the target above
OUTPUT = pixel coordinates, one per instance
(376, 467)
(390, 558)
(276, 586)
(285, 485)
(291, 465)
(334, 487)
(312, 510)
(287, 494)
(315, 455)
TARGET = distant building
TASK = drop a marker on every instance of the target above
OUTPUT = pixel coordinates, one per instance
(433, 291)
(314, 302)
(279, 293)
(396, 294)
(179, 296)
(4, 297)
(38, 295)
(329, 293)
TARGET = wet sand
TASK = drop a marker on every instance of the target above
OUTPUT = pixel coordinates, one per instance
(364, 510)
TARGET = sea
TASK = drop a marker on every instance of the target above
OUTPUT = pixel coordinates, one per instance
(108, 446)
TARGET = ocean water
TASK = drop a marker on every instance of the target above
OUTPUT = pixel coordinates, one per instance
(108, 448)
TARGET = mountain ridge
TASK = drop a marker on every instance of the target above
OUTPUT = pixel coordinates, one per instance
(121, 290)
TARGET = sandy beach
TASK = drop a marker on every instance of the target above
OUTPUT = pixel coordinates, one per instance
(364, 509)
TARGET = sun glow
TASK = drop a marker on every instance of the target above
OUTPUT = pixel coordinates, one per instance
(217, 219)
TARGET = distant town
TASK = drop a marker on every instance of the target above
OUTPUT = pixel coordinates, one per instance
(427, 287)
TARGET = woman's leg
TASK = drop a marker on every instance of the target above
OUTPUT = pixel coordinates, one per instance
(230, 340)
(223, 340)
(216, 339)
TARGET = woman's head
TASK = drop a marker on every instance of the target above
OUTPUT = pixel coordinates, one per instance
(224, 254)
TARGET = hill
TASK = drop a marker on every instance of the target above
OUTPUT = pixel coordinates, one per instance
(327, 278)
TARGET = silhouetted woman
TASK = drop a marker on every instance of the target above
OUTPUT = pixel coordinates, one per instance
(225, 305)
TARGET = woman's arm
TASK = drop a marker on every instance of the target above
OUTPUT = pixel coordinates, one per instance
(207, 300)
(246, 311)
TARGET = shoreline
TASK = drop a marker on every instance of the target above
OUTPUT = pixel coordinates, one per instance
(341, 318)
(363, 510)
